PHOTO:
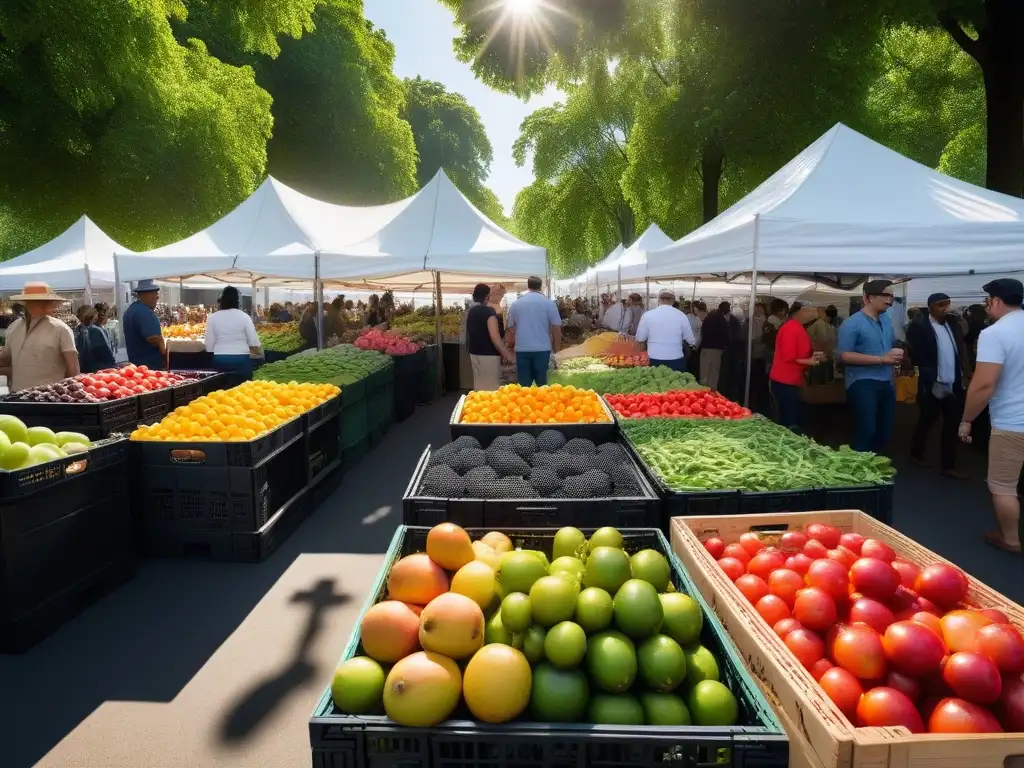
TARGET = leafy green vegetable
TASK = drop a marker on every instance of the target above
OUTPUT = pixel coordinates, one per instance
(339, 365)
(749, 455)
(618, 381)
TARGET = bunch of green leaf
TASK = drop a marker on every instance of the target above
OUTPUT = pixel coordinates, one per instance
(281, 338)
(621, 381)
(577, 364)
(749, 455)
(339, 365)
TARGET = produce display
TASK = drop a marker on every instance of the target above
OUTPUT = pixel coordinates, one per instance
(339, 365)
(891, 643)
(550, 404)
(625, 380)
(389, 343)
(631, 360)
(520, 466)
(108, 384)
(704, 404)
(422, 327)
(22, 446)
(750, 454)
(187, 331)
(280, 337)
(599, 344)
(241, 413)
(592, 636)
(584, 363)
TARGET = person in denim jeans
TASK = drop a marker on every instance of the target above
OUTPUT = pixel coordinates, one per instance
(867, 348)
(534, 331)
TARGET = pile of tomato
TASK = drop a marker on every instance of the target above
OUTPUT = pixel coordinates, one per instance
(676, 403)
(891, 643)
(115, 383)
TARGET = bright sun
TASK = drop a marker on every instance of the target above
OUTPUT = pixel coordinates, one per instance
(522, 7)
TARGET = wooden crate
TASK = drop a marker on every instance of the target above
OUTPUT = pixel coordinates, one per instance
(803, 707)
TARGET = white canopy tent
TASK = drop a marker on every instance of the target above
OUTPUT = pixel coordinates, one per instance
(848, 205)
(631, 264)
(81, 258)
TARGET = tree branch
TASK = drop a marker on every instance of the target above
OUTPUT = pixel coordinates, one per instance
(654, 68)
(973, 48)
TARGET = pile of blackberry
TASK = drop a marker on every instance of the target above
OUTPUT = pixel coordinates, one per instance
(520, 466)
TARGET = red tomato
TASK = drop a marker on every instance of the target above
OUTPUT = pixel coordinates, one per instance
(843, 556)
(104, 393)
(960, 629)
(958, 716)
(943, 584)
(874, 578)
(820, 667)
(785, 583)
(800, 563)
(772, 609)
(806, 646)
(793, 541)
(883, 707)
(930, 620)
(827, 535)
(858, 650)
(737, 551)
(715, 547)
(878, 550)
(871, 612)
(908, 572)
(973, 676)
(905, 684)
(1010, 707)
(913, 648)
(815, 550)
(852, 541)
(844, 689)
(998, 617)
(763, 563)
(753, 588)
(1003, 644)
(752, 543)
(814, 608)
(784, 627)
(733, 568)
(830, 576)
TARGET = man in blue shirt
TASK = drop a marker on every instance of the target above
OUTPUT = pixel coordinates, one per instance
(141, 328)
(867, 348)
(534, 330)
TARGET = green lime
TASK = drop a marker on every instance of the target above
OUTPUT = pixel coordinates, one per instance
(683, 618)
(496, 632)
(711, 703)
(611, 661)
(516, 615)
(664, 709)
(606, 537)
(621, 709)
(637, 609)
(701, 665)
(358, 686)
(607, 568)
(566, 566)
(662, 663)
(558, 695)
(533, 643)
(652, 567)
(553, 599)
(570, 542)
(565, 645)
(594, 610)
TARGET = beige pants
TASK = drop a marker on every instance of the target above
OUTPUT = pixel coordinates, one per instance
(710, 367)
(486, 372)
(1005, 459)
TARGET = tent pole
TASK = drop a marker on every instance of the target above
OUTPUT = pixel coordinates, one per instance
(318, 292)
(622, 314)
(647, 294)
(252, 303)
(750, 310)
(88, 285)
(438, 340)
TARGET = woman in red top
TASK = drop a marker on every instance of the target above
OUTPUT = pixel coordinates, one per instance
(793, 355)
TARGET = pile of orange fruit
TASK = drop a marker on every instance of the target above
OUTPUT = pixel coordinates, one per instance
(241, 413)
(552, 404)
(191, 331)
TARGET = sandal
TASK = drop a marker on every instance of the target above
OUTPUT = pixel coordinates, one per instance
(996, 540)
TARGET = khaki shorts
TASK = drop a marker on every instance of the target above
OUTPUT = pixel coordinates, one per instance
(1005, 459)
(486, 372)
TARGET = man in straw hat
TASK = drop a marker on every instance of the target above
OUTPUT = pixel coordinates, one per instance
(141, 328)
(40, 349)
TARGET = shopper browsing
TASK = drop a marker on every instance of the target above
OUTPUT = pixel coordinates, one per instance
(141, 328)
(483, 339)
(231, 337)
(665, 329)
(998, 383)
(867, 348)
(793, 356)
(39, 348)
(534, 331)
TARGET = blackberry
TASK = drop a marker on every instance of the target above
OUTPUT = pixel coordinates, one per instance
(550, 440)
(605, 461)
(443, 482)
(542, 459)
(501, 443)
(612, 449)
(464, 442)
(469, 458)
(443, 456)
(507, 463)
(580, 445)
(622, 475)
(562, 464)
(600, 481)
(524, 444)
(577, 465)
(482, 474)
(481, 489)
(579, 487)
(514, 487)
(545, 480)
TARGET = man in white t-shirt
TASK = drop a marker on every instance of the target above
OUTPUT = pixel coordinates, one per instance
(612, 318)
(999, 383)
(665, 328)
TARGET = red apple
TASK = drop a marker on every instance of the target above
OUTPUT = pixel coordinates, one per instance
(913, 649)
(952, 715)
(973, 677)
(871, 612)
(883, 707)
(814, 608)
(878, 550)
(831, 577)
(852, 541)
(828, 535)
(858, 650)
(945, 585)
(874, 578)
(1010, 707)
(1004, 645)
(908, 572)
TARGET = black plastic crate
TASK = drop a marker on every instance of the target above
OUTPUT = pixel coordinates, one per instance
(326, 411)
(354, 452)
(94, 420)
(380, 410)
(429, 389)
(415, 363)
(63, 547)
(602, 432)
(155, 404)
(382, 377)
(243, 454)
(763, 502)
(642, 511)
(406, 390)
(874, 500)
(353, 392)
(450, 356)
(183, 394)
(220, 512)
(20, 483)
(346, 741)
(323, 449)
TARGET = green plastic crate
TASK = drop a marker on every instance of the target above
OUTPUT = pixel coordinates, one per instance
(375, 741)
(354, 425)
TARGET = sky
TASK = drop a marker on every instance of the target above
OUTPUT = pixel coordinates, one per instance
(422, 32)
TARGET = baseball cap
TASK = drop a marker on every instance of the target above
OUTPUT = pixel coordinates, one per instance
(1005, 288)
(935, 298)
(876, 287)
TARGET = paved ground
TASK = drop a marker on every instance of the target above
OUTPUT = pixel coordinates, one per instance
(219, 665)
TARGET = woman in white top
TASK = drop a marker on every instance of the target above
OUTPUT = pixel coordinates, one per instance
(231, 337)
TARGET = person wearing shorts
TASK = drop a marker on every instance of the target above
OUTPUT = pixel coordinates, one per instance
(999, 384)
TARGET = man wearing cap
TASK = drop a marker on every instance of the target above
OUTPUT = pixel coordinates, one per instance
(999, 384)
(935, 342)
(665, 328)
(40, 349)
(141, 327)
(867, 348)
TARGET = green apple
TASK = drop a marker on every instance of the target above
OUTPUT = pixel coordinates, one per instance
(71, 437)
(75, 447)
(4, 440)
(14, 428)
(41, 454)
(13, 455)
(40, 435)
